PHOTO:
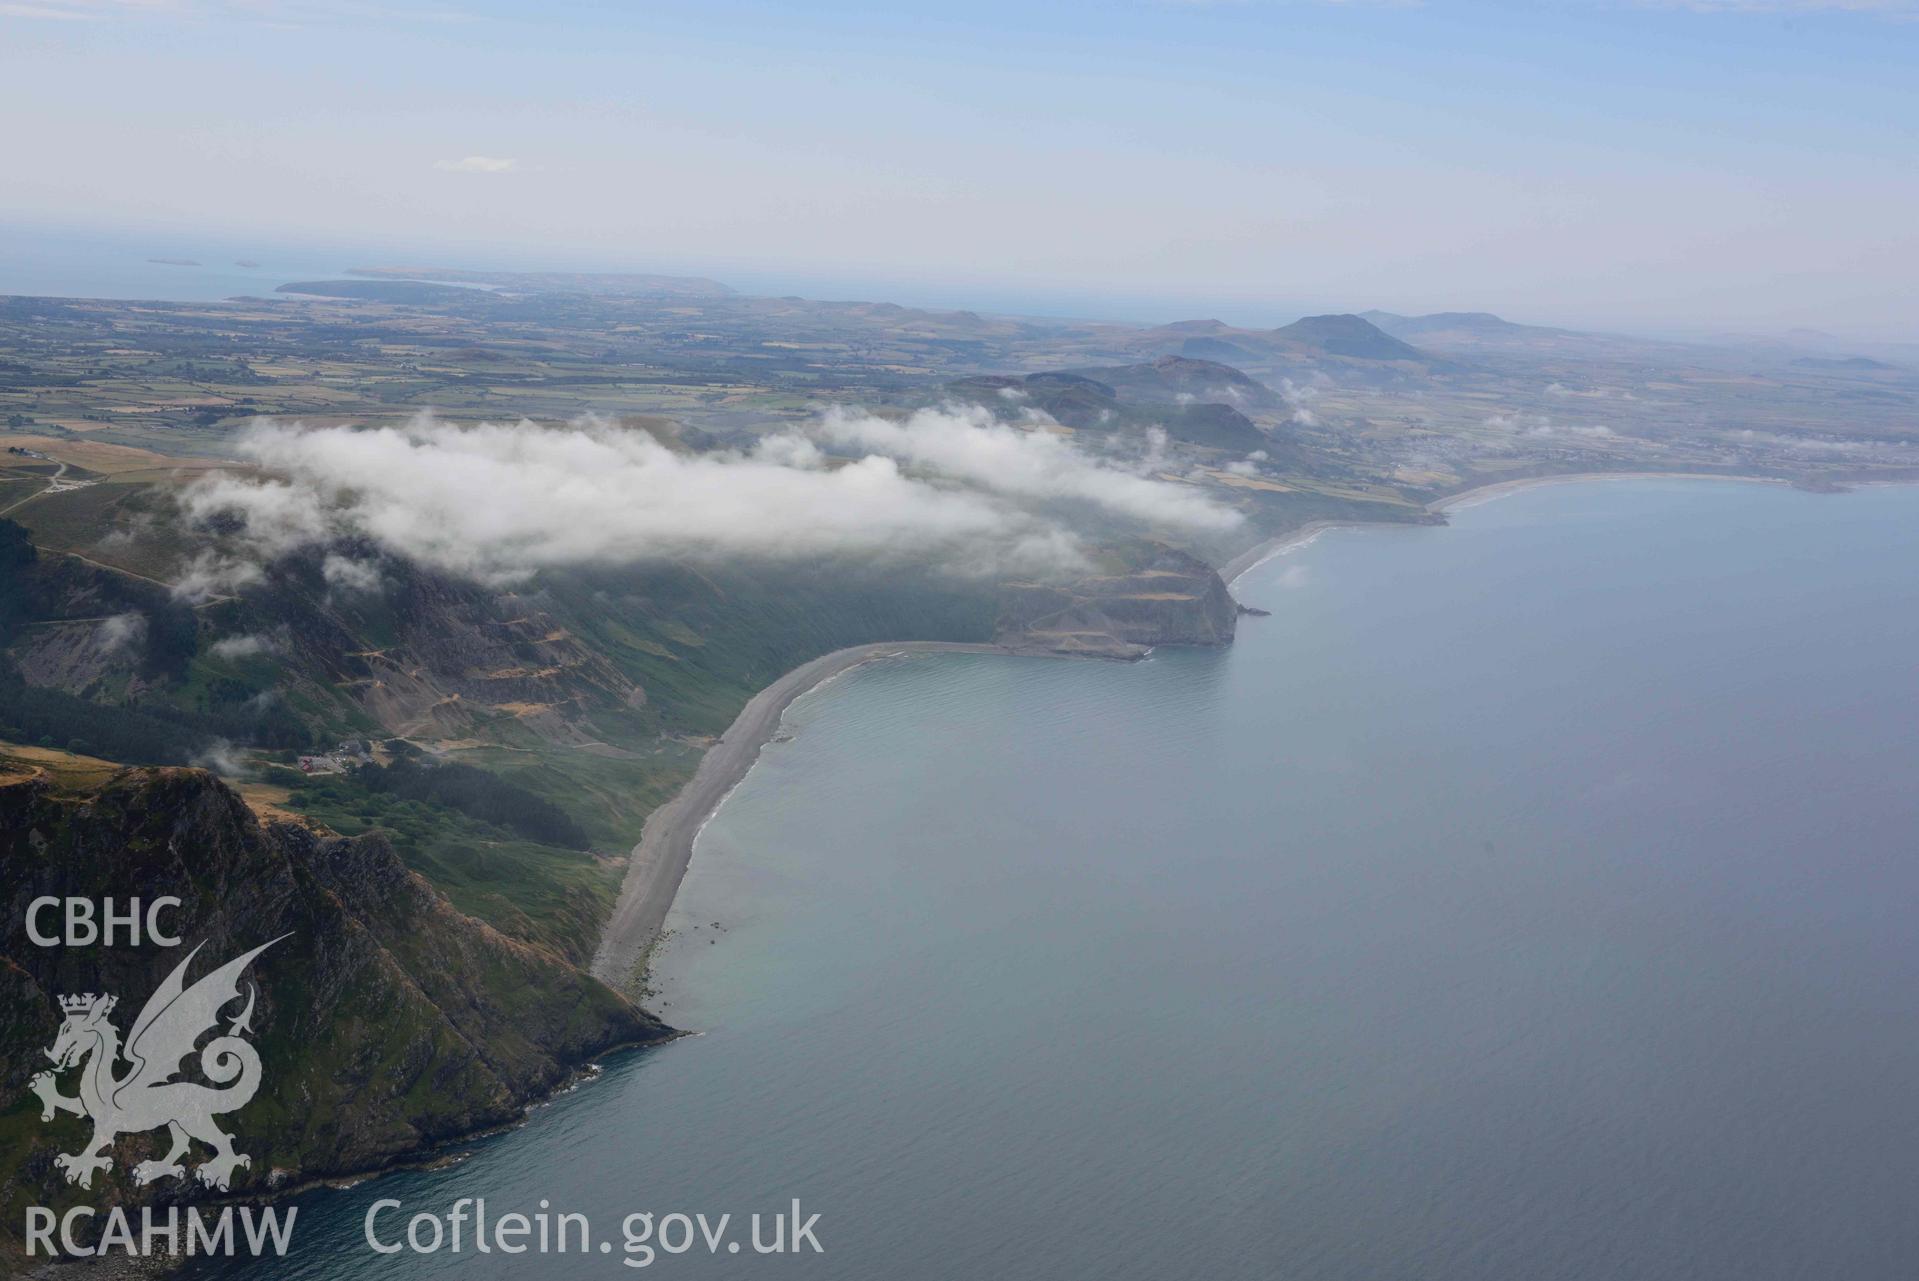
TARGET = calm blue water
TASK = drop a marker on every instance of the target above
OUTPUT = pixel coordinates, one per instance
(1533, 898)
(43, 262)
(169, 266)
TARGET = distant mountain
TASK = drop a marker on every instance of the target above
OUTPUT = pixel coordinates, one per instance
(1481, 332)
(1072, 399)
(1448, 322)
(1211, 327)
(1182, 380)
(1303, 345)
(1815, 349)
(1096, 405)
(1216, 427)
(1208, 340)
(1352, 337)
(1216, 349)
(1842, 362)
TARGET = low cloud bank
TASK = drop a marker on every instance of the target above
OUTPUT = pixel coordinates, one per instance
(972, 446)
(501, 500)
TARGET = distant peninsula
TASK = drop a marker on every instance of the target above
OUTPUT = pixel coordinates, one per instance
(400, 291)
(613, 284)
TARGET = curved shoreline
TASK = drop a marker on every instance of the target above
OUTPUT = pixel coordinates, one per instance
(1253, 557)
(658, 863)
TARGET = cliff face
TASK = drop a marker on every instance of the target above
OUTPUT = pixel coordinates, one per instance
(1173, 599)
(386, 1021)
(429, 655)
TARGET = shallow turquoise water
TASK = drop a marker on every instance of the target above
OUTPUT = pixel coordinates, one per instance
(1530, 898)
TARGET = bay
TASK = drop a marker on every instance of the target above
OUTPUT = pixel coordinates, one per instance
(1532, 897)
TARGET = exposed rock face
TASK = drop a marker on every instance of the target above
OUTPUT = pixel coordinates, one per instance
(386, 1022)
(90, 625)
(421, 654)
(1174, 599)
(432, 655)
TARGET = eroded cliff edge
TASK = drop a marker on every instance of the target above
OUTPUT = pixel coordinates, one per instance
(1170, 598)
(387, 1022)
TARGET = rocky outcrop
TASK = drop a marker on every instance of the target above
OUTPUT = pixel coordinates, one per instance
(387, 1021)
(1172, 599)
(429, 655)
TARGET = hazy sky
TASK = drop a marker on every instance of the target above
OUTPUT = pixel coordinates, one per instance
(1735, 163)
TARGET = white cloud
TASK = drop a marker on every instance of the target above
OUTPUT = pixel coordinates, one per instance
(122, 631)
(1518, 421)
(124, 536)
(1525, 424)
(1298, 398)
(351, 575)
(478, 164)
(1817, 446)
(1155, 456)
(968, 444)
(279, 516)
(220, 757)
(790, 449)
(233, 647)
(210, 574)
(500, 500)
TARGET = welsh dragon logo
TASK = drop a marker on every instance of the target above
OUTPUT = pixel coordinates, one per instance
(146, 1096)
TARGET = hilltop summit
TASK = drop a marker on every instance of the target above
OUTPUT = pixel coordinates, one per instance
(1346, 335)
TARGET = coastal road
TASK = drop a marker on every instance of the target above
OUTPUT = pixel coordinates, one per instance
(660, 860)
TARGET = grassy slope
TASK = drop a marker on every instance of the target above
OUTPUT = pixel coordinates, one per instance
(698, 643)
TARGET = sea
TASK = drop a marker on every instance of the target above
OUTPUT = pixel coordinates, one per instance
(174, 264)
(163, 266)
(1532, 897)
